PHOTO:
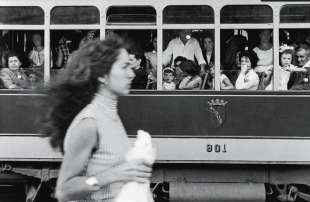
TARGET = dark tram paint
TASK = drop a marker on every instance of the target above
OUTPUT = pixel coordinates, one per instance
(183, 115)
(254, 116)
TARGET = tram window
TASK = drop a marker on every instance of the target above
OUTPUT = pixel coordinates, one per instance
(192, 14)
(22, 59)
(246, 14)
(239, 66)
(294, 59)
(131, 14)
(75, 15)
(295, 13)
(64, 42)
(22, 15)
(142, 46)
(189, 67)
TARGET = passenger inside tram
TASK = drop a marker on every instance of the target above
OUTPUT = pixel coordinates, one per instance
(208, 54)
(14, 76)
(91, 35)
(192, 79)
(208, 51)
(63, 52)
(264, 51)
(186, 46)
(144, 54)
(36, 55)
(231, 60)
(140, 80)
(286, 66)
(178, 72)
(151, 64)
(248, 78)
(300, 80)
(168, 79)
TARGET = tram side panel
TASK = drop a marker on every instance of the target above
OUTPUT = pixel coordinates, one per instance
(218, 116)
(186, 118)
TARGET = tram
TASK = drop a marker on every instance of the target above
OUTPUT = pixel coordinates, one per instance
(213, 144)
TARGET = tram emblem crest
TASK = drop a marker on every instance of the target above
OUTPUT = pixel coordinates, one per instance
(217, 108)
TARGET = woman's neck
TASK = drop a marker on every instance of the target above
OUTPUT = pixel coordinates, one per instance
(107, 100)
(265, 46)
(108, 94)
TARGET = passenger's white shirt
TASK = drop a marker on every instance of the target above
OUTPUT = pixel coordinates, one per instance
(169, 86)
(265, 59)
(248, 81)
(177, 48)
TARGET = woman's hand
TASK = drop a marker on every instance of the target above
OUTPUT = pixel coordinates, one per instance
(134, 170)
(244, 68)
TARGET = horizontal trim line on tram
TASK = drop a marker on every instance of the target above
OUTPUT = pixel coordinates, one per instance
(232, 93)
(156, 136)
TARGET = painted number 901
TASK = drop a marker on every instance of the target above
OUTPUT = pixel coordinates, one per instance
(216, 148)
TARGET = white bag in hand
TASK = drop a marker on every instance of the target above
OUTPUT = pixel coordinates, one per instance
(134, 191)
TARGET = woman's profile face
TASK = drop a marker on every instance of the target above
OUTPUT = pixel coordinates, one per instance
(121, 74)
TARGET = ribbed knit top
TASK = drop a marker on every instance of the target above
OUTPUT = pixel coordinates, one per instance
(113, 142)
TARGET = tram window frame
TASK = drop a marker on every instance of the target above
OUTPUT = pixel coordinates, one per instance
(302, 31)
(247, 20)
(159, 27)
(41, 18)
(293, 7)
(254, 25)
(198, 34)
(130, 10)
(168, 21)
(206, 27)
(21, 46)
(95, 20)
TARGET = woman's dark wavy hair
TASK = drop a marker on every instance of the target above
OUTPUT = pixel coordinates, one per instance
(76, 86)
(190, 67)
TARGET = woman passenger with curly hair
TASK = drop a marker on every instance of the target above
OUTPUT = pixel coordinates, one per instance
(247, 79)
(82, 121)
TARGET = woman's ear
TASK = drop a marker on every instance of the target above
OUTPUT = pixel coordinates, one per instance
(102, 79)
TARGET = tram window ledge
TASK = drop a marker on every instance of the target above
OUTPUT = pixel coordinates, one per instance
(20, 91)
(221, 92)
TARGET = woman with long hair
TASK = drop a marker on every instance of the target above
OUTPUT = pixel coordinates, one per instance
(82, 121)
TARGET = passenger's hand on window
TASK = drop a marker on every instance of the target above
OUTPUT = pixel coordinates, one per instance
(308, 69)
(244, 68)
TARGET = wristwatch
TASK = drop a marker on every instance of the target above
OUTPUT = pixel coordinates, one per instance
(92, 181)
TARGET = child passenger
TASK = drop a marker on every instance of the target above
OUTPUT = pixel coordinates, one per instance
(192, 80)
(169, 76)
(14, 77)
(286, 66)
